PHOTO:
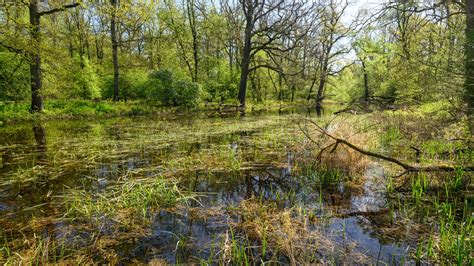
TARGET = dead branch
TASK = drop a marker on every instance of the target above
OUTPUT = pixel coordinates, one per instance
(407, 167)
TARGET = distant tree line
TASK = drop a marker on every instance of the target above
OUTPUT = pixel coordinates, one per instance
(189, 51)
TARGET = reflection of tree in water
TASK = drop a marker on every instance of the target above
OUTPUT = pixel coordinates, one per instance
(41, 147)
(28, 194)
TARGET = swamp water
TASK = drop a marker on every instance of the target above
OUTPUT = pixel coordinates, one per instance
(233, 171)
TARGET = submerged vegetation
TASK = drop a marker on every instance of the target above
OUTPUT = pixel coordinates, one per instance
(226, 190)
(236, 132)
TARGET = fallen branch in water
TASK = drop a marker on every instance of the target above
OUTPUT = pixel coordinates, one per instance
(407, 167)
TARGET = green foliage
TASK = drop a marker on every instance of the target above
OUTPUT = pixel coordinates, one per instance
(84, 81)
(172, 91)
(323, 175)
(161, 84)
(56, 109)
(14, 77)
(221, 85)
(132, 85)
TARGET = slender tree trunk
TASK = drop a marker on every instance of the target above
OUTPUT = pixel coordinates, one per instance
(324, 74)
(192, 24)
(293, 90)
(113, 33)
(322, 84)
(366, 83)
(469, 82)
(249, 25)
(35, 58)
(311, 88)
(231, 58)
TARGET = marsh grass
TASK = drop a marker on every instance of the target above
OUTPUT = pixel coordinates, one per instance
(146, 165)
(266, 233)
(38, 250)
(125, 206)
(438, 199)
(121, 213)
(130, 199)
(324, 176)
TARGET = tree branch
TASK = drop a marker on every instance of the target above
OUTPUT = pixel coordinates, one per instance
(408, 168)
(54, 10)
(12, 49)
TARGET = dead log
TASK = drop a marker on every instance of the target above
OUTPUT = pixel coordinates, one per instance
(407, 167)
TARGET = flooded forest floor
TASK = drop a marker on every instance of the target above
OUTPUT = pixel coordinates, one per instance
(212, 189)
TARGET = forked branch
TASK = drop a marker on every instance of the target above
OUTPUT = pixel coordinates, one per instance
(407, 167)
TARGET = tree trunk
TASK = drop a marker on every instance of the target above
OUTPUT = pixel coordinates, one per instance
(311, 88)
(35, 58)
(366, 83)
(469, 82)
(113, 33)
(322, 84)
(249, 25)
(192, 24)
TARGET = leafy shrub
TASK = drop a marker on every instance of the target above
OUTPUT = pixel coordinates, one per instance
(170, 90)
(85, 82)
(221, 85)
(161, 84)
(187, 93)
(14, 77)
(132, 85)
(103, 108)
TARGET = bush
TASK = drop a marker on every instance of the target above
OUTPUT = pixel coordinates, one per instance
(104, 108)
(133, 85)
(85, 82)
(14, 77)
(169, 90)
(221, 85)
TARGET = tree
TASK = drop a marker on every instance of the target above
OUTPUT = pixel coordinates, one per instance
(35, 15)
(333, 32)
(113, 37)
(469, 46)
(266, 24)
(190, 7)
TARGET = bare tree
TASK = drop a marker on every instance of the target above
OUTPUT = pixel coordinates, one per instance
(266, 25)
(329, 51)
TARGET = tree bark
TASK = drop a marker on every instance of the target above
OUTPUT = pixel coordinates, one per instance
(192, 24)
(322, 84)
(366, 83)
(249, 25)
(35, 58)
(469, 50)
(113, 35)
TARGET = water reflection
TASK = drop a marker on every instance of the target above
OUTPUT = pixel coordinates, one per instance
(39, 133)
